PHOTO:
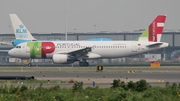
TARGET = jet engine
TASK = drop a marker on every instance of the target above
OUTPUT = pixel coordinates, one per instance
(60, 58)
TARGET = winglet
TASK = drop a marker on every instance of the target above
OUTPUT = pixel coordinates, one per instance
(154, 32)
(20, 31)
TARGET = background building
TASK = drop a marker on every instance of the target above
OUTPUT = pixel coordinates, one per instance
(170, 54)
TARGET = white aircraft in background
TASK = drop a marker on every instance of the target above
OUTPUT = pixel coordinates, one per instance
(22, 34)
(71, 51)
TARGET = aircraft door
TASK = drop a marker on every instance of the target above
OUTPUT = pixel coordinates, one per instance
(134, 47)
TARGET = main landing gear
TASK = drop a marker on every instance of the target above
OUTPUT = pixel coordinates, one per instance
(83, 63)
(30, 64)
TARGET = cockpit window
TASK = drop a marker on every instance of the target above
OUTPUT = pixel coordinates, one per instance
(18, 46)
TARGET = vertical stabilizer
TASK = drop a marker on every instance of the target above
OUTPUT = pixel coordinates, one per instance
(154, 31)
(20, 30)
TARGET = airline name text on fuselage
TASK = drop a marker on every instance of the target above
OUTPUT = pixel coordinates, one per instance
(68, 44)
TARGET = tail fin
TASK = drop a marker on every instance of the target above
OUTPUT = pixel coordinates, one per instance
(20, 31)
(154, 31)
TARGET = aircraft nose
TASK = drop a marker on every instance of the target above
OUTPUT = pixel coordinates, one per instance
(11, 52)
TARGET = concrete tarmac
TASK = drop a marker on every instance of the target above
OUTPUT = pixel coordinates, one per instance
(156, 77)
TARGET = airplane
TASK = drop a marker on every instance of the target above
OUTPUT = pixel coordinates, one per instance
(22, 34)
(64, 52)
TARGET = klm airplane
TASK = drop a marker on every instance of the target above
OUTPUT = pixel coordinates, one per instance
(22, 34)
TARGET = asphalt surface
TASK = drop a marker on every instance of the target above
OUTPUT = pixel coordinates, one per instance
(156, 77)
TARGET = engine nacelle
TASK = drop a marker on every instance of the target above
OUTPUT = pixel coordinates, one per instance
(60, 58)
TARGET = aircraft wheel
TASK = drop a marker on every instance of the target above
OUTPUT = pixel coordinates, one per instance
(86, 64)
(81, 64)
(30, 64)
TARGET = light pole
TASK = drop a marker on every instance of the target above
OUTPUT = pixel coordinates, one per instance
(9, 29)
(65, 21)
(94, 28)
(74, 30)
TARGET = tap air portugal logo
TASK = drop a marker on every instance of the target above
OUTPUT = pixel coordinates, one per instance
(154, 31)
(156, 28)
(40, 49)
(21, 32)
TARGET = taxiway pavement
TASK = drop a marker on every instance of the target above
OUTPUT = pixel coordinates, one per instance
(104, 78)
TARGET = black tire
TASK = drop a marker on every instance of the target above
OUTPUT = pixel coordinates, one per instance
(86, 64)
(81, 64)
(30, 64)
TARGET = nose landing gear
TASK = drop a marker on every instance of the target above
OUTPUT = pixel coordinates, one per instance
(30, 64)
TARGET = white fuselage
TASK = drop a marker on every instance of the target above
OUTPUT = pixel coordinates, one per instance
(105, 49)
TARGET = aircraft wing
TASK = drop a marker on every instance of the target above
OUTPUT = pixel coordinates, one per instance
(4, 50)
(77, 53)
(154, 44)
(5, 43)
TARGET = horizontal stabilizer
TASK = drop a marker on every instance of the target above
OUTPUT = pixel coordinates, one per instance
(154, 44)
